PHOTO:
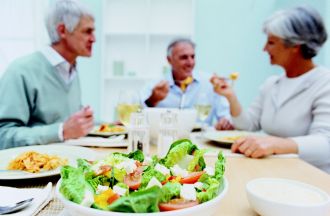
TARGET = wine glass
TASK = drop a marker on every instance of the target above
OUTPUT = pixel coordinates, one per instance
(128, 102)
(203, 107)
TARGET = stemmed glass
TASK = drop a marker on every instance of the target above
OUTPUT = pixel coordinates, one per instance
(203, 107)
(128, 102)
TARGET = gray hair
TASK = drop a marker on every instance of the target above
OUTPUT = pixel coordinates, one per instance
(68, 12)
(177, 41)
(298, 26)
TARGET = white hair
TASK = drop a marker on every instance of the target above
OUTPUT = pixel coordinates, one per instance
(298, 26)
(177, 41)
(68, 12)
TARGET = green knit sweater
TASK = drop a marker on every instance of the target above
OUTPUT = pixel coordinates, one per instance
(34, 100)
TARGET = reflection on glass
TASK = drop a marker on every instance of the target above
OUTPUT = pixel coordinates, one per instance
(128, 103)
(203, 107)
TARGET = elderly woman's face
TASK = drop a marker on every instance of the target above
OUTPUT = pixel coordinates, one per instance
(279, 53)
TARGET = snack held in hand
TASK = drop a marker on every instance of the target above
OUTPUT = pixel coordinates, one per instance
(234, 76)
(133, 183)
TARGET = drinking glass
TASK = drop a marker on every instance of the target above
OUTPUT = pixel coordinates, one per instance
(203, 107)
(128, 102)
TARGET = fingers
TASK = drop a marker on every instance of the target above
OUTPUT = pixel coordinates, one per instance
(162, 85)
(245, 146)
(237, 144)
(224, 124)
(79, 124)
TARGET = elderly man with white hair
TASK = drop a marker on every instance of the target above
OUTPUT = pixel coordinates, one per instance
(40, 93)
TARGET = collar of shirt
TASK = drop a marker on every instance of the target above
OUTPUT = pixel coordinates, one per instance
(66, 71)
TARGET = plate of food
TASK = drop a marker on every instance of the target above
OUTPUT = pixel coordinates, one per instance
(229, 136)
(181, 183)
(40, 160)
(107, 130)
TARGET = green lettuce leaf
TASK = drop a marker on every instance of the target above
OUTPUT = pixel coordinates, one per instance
(74, 187)
(142, 201)
(197, 160)
(211, 187)
(170, 190)
(178, 151)
(148, 174)
(220, 166)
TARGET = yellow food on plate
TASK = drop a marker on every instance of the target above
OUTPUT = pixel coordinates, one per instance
(234, 76)
(111, 128)
(230, 138)
(35, 162)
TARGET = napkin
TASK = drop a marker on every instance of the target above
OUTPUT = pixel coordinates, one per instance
(41, 197)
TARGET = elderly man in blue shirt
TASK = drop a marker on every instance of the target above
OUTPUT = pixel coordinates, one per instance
(180, 88)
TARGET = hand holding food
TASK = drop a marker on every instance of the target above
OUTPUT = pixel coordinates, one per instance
(159, 92)
(221, 86)
(79, 124)
(132, 183)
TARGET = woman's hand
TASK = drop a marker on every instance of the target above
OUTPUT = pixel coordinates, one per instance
(221, 86)
(257, 147)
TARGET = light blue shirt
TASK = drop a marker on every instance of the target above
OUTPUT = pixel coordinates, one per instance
(220, 105)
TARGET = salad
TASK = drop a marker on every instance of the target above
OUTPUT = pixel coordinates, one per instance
(135, 183)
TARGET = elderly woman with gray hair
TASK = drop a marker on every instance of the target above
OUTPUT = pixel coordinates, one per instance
(293, 108)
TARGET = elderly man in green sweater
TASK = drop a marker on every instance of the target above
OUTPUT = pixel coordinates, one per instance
(40, 100)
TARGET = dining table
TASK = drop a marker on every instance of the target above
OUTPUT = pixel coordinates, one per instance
(239, 170)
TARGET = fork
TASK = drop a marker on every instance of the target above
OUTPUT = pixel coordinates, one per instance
(15, 207)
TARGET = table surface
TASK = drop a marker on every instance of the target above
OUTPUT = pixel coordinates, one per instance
(239, 171)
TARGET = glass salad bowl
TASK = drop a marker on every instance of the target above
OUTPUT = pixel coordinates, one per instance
(180, 184)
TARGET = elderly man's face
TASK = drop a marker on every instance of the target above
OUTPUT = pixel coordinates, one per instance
(182, 60)
(80, 41)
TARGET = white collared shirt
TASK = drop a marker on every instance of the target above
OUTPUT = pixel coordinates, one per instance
(66, 71)
(63, 67)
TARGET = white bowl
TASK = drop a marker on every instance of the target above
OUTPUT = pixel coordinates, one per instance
(186, 120)
(276, 196)
(206, 209)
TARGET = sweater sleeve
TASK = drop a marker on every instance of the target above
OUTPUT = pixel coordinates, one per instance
(315, 147)
(16, 104)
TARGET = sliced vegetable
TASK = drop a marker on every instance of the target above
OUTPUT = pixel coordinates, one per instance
(176, 204)
(192, 177)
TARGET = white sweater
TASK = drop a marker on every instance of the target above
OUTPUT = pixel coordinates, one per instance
(301, 112)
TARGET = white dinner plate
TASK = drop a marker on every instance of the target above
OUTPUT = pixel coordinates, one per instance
(71, 153)
(110, 142)
(95, 132)
(228, 137)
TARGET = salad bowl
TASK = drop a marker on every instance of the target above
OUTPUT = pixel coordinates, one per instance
(181, 183)
(206, 209)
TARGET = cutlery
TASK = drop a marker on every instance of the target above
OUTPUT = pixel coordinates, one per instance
(15, 207)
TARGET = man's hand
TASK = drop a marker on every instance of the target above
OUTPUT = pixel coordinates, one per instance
(224, 124)
(79, 124)
(159, 92)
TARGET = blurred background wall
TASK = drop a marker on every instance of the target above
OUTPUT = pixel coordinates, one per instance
(228, 35)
